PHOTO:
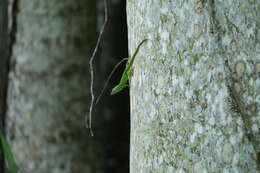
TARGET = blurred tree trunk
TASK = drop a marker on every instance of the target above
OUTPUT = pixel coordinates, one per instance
(195, 87)
(48, 90)
(3, 68)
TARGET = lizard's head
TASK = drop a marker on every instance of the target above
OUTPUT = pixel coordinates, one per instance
(116, 89)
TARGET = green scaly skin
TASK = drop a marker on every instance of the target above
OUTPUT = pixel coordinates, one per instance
(125, 76)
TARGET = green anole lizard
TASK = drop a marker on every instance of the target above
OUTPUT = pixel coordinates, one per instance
(125, 76)
(123, 81)
(8, 154)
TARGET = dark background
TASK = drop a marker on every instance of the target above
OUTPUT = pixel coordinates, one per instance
(113, 48)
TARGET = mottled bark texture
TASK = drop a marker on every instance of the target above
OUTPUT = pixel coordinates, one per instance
(3, 68)
(48, 88)
(195, 90)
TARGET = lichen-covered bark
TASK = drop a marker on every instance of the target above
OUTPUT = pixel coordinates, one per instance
(195, 88)
(48, 89)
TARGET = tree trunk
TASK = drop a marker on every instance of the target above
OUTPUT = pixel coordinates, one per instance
(48, 89)
(195, 86)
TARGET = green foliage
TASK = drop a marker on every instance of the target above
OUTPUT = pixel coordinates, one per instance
(8, 155)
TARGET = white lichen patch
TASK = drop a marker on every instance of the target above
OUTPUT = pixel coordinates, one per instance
(233, 46)
(212, 120)
(237, 87)
(257, 67)
(180, 170)
(227, 153)
(192, 137)
(151, 114)
(219, 105)
(198, 6)
(240, 69)
(199, 128)
(226, 39)
(235, 159)
(197, 31)
(255, 128)
(199, 167)
(233, 139)
(170, 169)
(239, 121)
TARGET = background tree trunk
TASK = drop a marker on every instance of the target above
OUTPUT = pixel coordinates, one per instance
(195, 87)
(48, 88)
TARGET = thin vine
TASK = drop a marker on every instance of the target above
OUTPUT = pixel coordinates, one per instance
(88, 118)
